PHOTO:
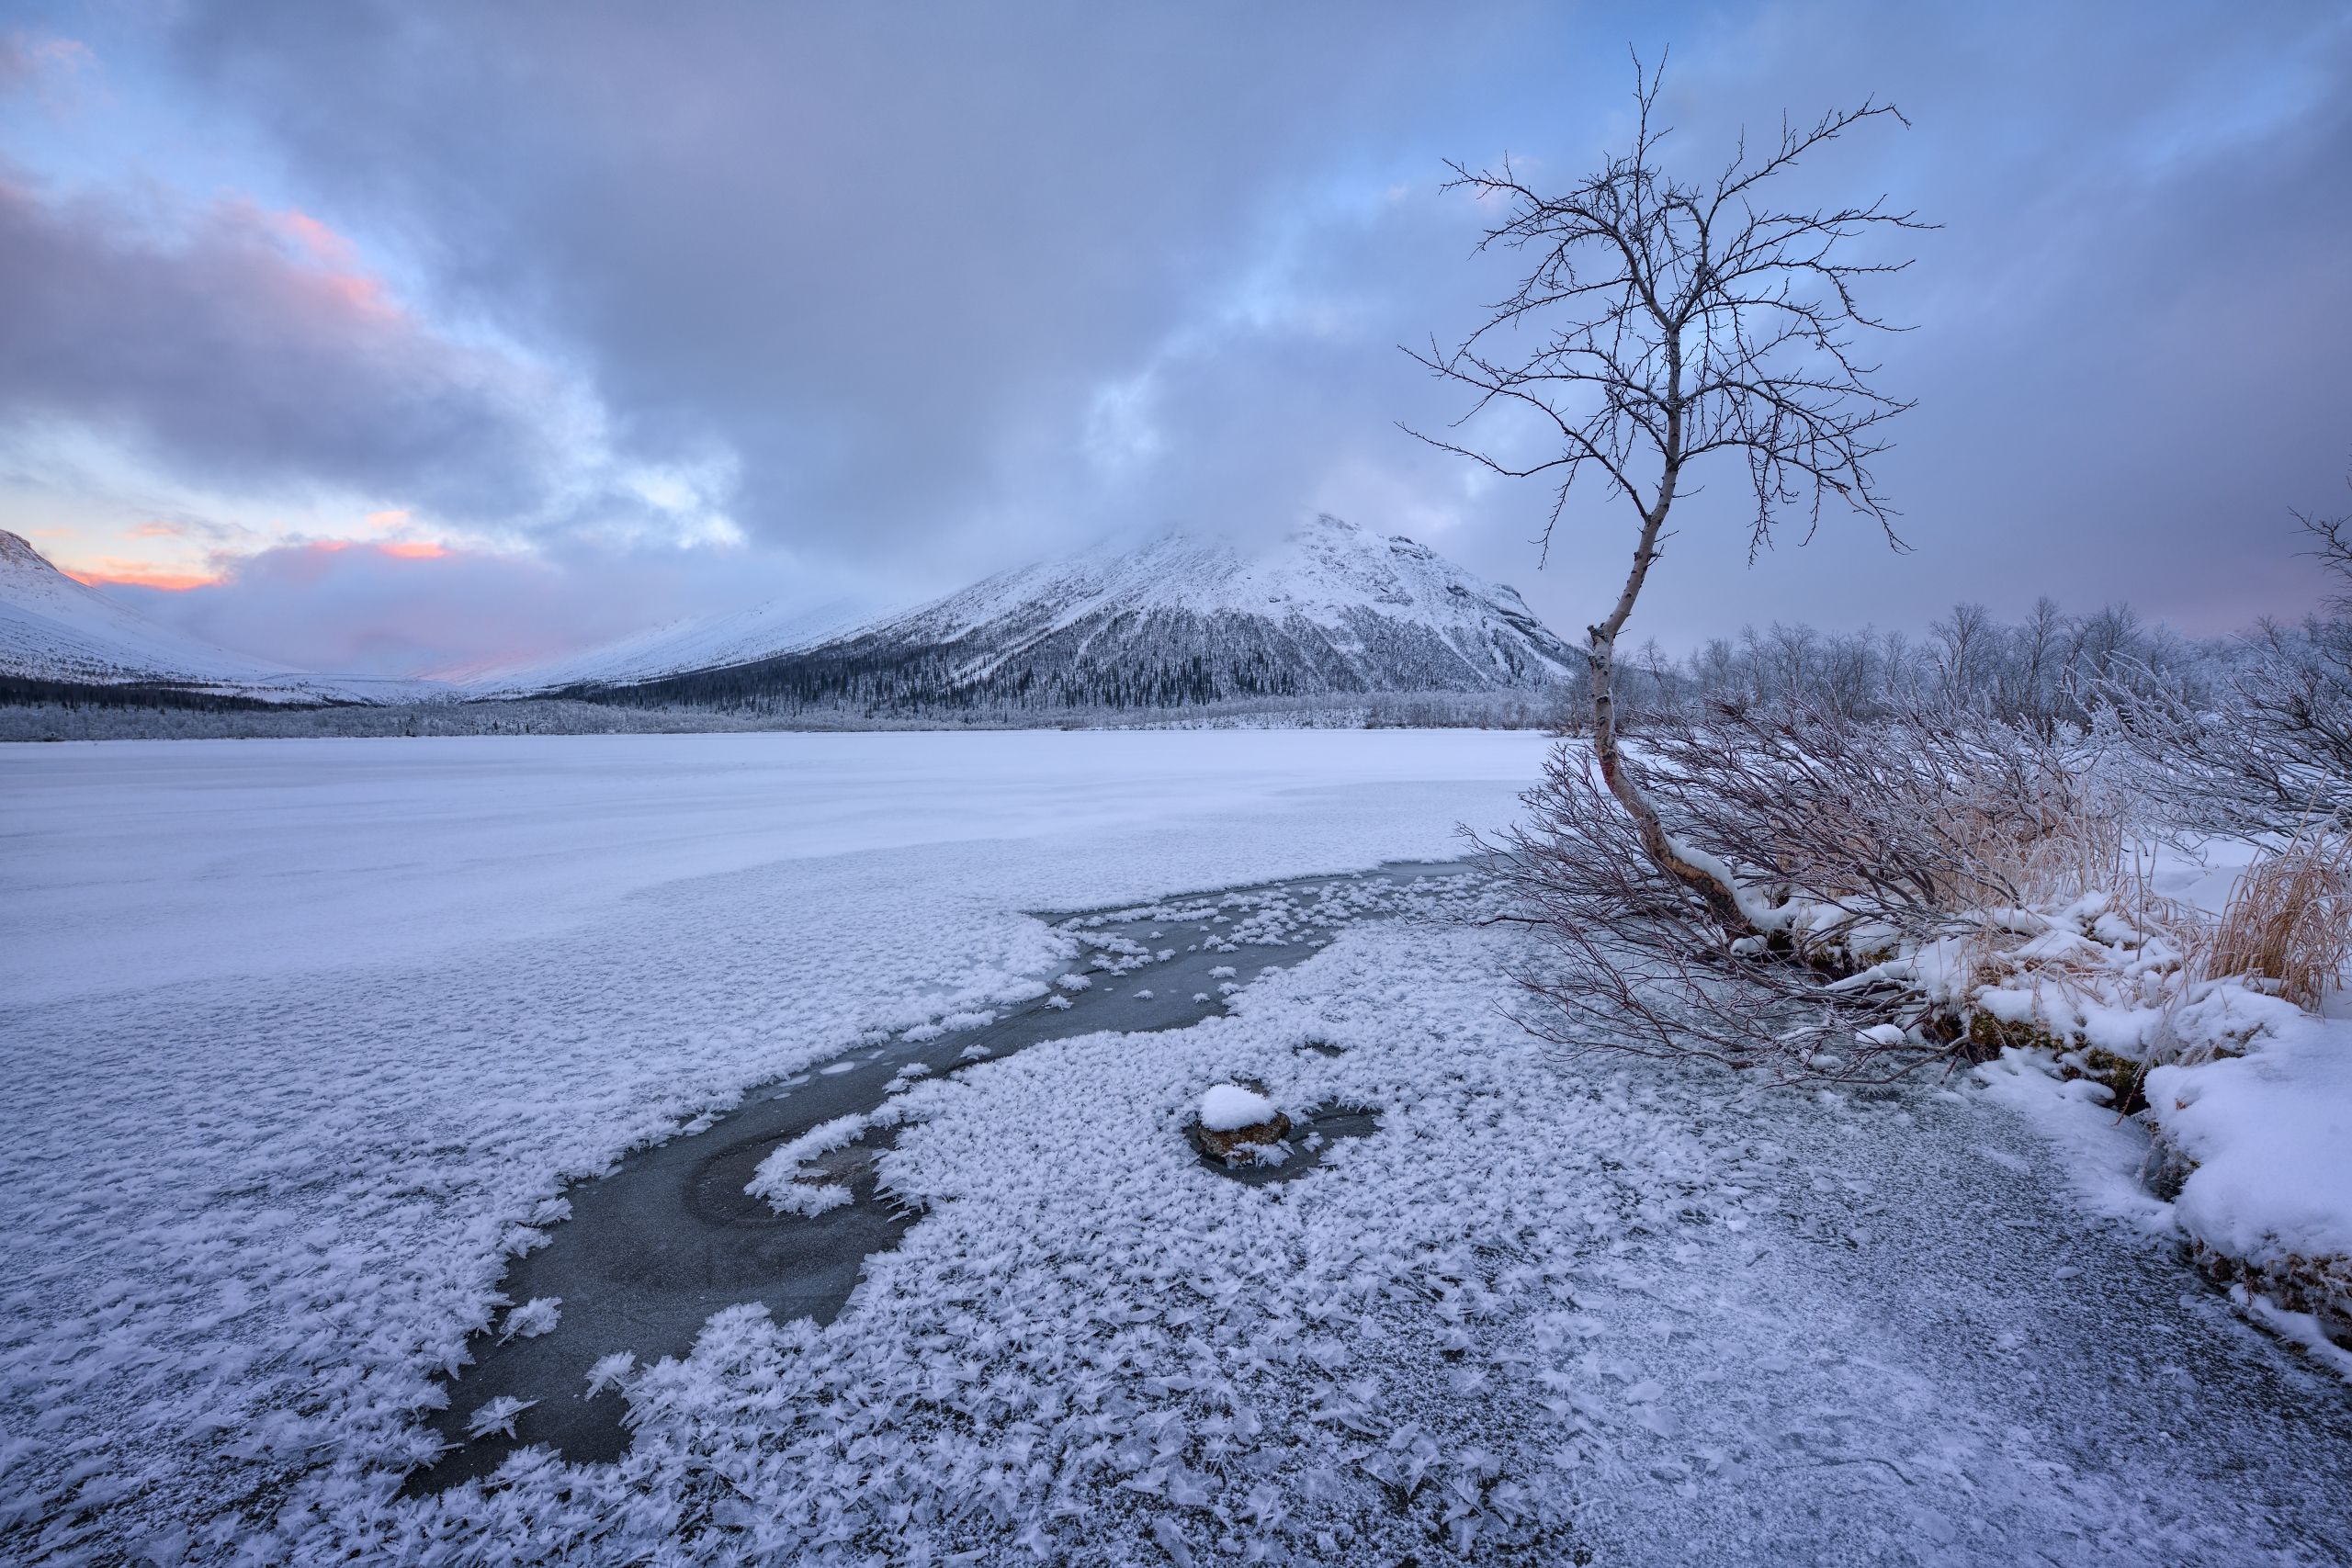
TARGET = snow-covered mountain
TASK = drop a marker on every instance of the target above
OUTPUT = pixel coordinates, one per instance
(760, 632)
(54, 629)
(1331, 610)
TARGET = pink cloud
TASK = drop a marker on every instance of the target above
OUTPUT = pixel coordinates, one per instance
(115, 572)
(256, 347)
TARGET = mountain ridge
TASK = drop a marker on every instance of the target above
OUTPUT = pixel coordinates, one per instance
(1325, 613)
(56, 631)
(1329, 610)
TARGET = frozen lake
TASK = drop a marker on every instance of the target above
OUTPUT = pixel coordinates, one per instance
(304, 1041)
(131, 864)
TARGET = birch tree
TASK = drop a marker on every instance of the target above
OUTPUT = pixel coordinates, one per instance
(1666, 327)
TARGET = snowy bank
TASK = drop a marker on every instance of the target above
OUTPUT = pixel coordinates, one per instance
(2262, 1146)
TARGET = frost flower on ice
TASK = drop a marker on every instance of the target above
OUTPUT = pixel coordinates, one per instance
(498, 1417)
(608, 1372)
(533, 1318)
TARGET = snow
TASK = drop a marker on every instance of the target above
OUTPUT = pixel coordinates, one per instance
(303, 1039)
(2104, 1155)
(1227, 1107)
(780, 1179)
(2271, 1135)
(536, 1317)
(610, 1371)
(498, 1416)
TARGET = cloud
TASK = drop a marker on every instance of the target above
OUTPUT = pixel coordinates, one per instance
(883, 262)
(417, 606)
(248, 350)
(115, 571)
(43, 62)
(919, 294)
(366, 607)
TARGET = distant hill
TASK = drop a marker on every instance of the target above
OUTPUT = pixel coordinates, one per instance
(57, 634)
(1327, 617)
(1332, 611)
(697, 643)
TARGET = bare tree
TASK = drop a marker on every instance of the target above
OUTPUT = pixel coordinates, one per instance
(2331, 540)
(1666, 323)
(2267, 755)
(1961, 645)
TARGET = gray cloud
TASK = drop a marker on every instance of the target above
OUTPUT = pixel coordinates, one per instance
(363, 607)
(943, 288)
(226, 352)
(888, 259)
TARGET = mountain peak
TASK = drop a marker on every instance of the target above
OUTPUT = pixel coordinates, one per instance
(16, 554)
(1326, 608)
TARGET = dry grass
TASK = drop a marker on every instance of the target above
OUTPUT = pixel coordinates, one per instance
(2288, 920)
(2054, 839)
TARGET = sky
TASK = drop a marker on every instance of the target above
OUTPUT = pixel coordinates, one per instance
(394, 337)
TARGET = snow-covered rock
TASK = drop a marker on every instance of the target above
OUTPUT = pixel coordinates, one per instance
(1239, 1127)
(1228, 1107)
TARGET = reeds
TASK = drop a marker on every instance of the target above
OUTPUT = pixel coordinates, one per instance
(2288, 920)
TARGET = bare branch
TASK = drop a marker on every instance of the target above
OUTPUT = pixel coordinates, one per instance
(1662, 323)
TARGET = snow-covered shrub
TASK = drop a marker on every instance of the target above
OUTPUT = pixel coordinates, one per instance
(1940, 886)
(2261, 756)
(1886, 870)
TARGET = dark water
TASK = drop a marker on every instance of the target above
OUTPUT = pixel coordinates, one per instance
(670, 1237)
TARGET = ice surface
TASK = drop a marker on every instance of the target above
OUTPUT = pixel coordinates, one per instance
(142, 863)
(299, 1035)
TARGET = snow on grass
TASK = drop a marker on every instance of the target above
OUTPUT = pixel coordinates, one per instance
(2249, 1097)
